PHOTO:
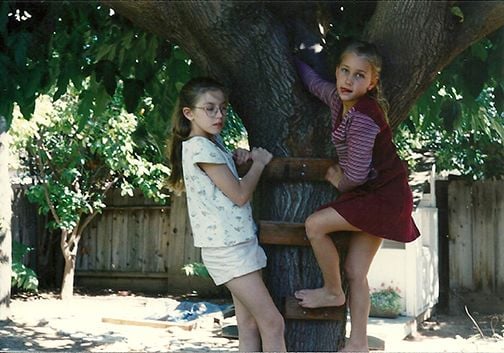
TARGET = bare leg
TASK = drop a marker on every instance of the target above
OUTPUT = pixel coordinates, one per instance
(318, 226)
(248, 334)
(361, 251)
(255, 300)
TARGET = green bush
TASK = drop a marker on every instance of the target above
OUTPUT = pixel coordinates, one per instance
(23, 278)
(385, 302)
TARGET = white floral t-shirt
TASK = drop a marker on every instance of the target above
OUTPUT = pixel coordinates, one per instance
(215, 220)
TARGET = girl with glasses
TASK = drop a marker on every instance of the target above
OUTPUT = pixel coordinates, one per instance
(220, 211)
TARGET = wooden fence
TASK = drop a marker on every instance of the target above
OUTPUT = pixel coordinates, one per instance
(136, 244)
(476, 235)
(131, 235)
(25, 223)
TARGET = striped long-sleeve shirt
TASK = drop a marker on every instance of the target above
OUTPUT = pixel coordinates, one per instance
(352, 134)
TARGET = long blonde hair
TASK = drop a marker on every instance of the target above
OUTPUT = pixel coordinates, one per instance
(370, 52)
(181, 126)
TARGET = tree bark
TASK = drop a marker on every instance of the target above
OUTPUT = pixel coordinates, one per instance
(5, 223)
(248, 46)
(419, 38)
(69, 246)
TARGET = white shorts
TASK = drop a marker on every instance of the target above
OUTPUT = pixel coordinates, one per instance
(225, 263)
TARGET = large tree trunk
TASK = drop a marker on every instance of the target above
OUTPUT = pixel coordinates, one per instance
(248, 46)
(5, 223)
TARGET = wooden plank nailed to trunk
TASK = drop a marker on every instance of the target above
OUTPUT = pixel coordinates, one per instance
(294, 311)
(293, 169)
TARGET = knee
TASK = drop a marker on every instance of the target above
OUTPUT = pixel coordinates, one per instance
(247, 326)
(354, 274)
(276, 324)
(312, 228)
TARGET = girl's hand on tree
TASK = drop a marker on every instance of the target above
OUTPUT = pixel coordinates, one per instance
(241, 155)
(334, 174)
(261, 155)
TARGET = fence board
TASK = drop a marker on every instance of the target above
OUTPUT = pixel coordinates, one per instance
(87, 247)
(483, 236)
(150, 243)
(25, 224)
(499, 238)
(459, 204)
(179, 224)
(117, 240)
(104, 242)
(135, 251)
(151, 240)
(165, 232)
(476, 229)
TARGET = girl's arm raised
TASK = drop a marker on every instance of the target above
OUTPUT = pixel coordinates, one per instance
(319, 87)
(238, 190)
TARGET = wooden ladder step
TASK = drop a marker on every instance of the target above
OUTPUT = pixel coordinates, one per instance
(293, 234)
(294, 311)
(282, 233)
(292, 169)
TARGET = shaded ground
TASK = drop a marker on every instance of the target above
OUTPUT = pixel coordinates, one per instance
(44, 323)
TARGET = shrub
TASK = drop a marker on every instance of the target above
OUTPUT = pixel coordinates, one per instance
(23, 277)
(385, 302)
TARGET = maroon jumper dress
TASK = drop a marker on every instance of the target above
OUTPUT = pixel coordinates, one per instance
(381, 206)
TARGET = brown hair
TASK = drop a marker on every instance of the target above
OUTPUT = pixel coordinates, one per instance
(370, 52)
(181, 126)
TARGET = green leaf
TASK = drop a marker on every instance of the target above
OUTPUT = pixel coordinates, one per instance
(457, 12)
(6, 109)
(132, 92)
(479, 50)
(499, 98)
(110, 82)
(27, 106)
(62, 85)
(196, 269)
(4, 10)
(475, 74)
(101, 100)
(450, 113)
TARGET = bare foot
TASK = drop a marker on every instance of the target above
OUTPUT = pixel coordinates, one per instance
(356, 346)
(318, 298)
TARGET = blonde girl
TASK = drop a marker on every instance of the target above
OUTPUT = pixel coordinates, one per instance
(375, 200)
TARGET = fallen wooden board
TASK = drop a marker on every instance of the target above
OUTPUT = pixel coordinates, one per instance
(376, 343)
(230, 331)
(188, 326)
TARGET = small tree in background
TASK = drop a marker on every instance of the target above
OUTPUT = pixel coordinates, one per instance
(75, 161)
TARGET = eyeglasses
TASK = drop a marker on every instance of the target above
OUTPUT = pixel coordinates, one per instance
(211, 110)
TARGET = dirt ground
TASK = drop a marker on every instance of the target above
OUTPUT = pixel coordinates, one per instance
(45, 323)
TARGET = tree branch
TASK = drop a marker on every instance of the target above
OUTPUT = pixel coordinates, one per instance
(481, 18)
(93, 215)
(42, 173)
(425, 38)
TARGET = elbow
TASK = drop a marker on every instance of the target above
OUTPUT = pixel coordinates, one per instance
(241, 200)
